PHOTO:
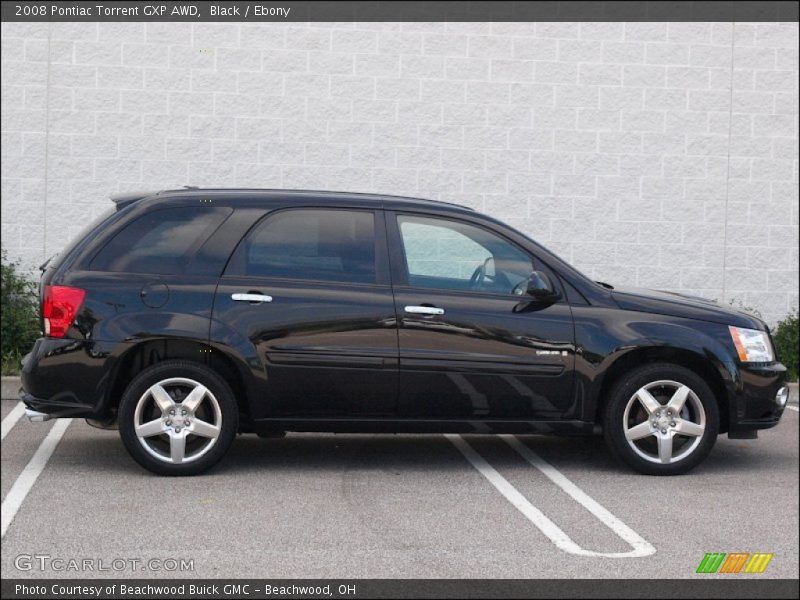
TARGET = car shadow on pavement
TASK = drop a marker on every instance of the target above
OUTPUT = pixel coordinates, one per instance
(103, 451)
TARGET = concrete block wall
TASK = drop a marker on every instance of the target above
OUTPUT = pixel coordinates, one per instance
(661, 155)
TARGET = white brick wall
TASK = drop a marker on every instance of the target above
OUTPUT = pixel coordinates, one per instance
(652, 154)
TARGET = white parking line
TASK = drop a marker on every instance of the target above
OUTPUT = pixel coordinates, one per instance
(794, 408)
(581, 497)
(11, 419)
(562, 541)
(16, 495)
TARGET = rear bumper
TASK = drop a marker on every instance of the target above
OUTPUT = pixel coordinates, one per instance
(760, 398)
(66, 378)
(53, 409)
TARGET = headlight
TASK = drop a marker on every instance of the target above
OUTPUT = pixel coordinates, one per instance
(752, 345)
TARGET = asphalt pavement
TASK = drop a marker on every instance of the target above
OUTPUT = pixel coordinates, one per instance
(384, 506)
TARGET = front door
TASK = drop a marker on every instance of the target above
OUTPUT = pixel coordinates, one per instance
(472, 344)
(307, 294)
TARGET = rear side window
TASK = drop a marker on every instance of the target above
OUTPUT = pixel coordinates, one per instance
(161, 242)
(324, 245)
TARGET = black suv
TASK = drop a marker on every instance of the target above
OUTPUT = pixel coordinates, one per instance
(185, 317)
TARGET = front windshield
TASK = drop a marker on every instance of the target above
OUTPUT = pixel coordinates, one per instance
(563, 263)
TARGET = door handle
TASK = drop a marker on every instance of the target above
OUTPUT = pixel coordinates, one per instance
(250, 297)
(424, 310)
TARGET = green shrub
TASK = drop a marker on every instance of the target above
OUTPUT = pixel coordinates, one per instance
(787, 337)
(19, 313)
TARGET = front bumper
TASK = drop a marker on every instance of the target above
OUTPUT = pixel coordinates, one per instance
(760, 399)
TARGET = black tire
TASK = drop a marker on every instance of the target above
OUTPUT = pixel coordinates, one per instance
(228, 413)
(614, 422)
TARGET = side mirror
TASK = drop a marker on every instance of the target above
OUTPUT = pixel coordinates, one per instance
(540, 288)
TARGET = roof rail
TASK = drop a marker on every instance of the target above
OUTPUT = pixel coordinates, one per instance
(123, 199)
(323, 192)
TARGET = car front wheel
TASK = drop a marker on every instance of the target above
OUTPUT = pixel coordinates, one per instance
(661, 419)
(177, 418)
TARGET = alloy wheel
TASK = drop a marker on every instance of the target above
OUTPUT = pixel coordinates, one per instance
(664, 421)
(177, 420)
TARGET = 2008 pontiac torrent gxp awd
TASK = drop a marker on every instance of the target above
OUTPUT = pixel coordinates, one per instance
(185, 317)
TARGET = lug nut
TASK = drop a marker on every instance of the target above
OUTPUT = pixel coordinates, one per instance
(672, 424)
(169, 421)
(172, 412)
(186, 423)
(183, 411)
(177, 430)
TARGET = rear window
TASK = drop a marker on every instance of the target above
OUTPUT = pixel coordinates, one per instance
(93, 226)
(160, 242)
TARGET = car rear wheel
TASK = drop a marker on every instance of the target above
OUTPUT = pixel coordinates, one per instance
(177, 418)
(661, 419)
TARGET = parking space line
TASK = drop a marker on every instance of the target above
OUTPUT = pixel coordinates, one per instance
(636, 541)
(794, 408)
(11, 419)
(540, 520)
(16, 495)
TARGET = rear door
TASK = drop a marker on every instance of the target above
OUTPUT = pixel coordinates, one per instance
(306, 295)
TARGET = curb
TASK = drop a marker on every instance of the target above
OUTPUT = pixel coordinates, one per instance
(11, 385)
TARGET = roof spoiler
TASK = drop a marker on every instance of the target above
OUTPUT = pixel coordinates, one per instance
(124, 199)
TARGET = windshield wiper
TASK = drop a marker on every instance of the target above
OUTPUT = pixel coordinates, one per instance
(608, 286)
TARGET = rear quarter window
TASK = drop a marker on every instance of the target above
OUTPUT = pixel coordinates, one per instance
(162, 242)
(86, 232)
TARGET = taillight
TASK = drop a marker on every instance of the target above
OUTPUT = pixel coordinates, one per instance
(61, 304)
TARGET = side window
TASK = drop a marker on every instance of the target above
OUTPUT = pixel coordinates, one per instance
(312, 244)
(160, 242)
(451, 255)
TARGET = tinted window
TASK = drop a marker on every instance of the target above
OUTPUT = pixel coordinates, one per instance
(452, 255)
(329, 245)
(160, 242)
(91, 228)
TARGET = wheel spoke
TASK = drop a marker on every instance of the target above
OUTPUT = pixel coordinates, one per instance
(195, 397)
(648, 401)
(665, 448)
(689, 428)
(639, 431)
(161, 397)
(203, 429)
(151, 428)
(679, 399)
(177, 447)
